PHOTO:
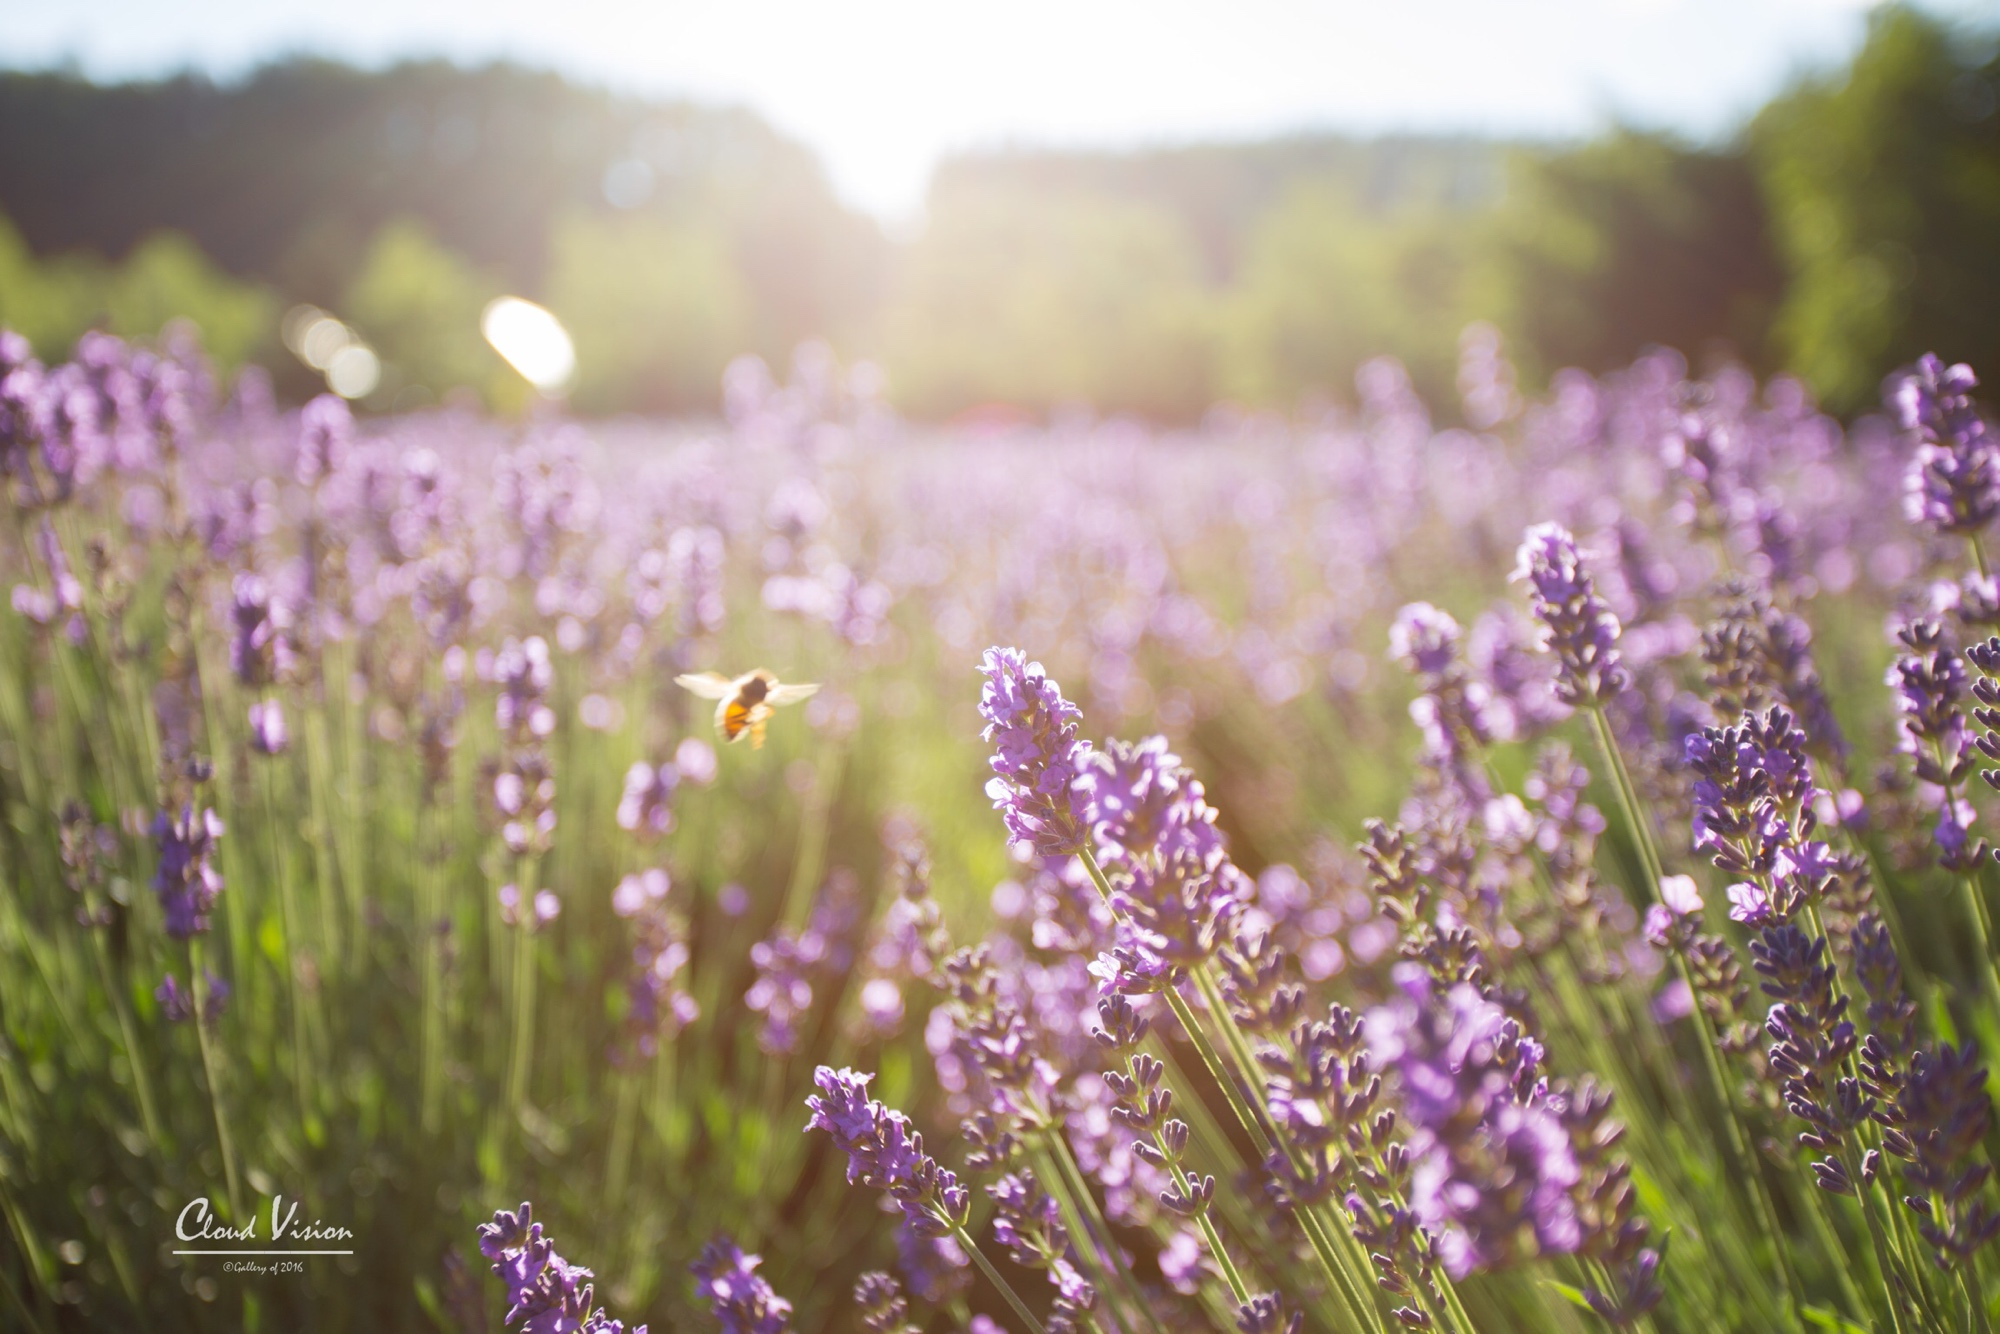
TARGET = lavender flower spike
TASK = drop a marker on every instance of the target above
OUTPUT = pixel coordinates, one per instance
(546, 1294)
(743, 1302)
(1492, 1166)
(1577, 626)
(884, 1152)
(186, 881)
(1036, 754)
(1953, 482)
(1424, 639)
(177, 1002)
(268, 734)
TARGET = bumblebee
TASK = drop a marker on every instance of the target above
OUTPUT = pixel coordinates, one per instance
(745, 704)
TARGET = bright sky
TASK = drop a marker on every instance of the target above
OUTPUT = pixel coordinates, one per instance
(881, 88)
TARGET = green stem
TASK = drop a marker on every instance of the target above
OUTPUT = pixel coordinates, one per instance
(1890, 1276)
(523, 1052)
(1216, 1249)
(142, 1088)
(1975, 903)
(1254, 1126)
(971, 1248)
(318, 791)
(1318, 1230)
(618, 1164)
(1628, 799)
(288, 909)
(1738, 1140)
(1099, 1229)
(430, 942)
(1972, 1300)
(1459, 1315)
(198, 984)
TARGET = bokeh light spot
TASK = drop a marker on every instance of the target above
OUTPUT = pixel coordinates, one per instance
(532, 341)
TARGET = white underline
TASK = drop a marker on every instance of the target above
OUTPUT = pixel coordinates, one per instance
(263, 1252)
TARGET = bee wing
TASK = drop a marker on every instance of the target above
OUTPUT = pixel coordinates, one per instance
(791, 694)
(709, 685)
(757, 731)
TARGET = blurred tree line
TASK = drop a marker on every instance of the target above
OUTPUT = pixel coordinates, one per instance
(1852, 224)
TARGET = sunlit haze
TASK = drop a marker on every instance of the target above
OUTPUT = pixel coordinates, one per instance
(881, 88)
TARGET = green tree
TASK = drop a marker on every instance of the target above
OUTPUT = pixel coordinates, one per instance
(169, 278)
(1041, 300)
(48, 302)
(1633, 239)
(1327, 284)
(53, 301)
(1884, 189)
(656, 309)
(418, 304)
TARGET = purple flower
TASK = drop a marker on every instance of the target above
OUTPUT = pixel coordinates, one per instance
(883, 1151)
(646, 808)
(1930, 681)
(1027, 1221)
(783, 991)
(1753, 805)
(879, 1299)
(1812, 1043)
(882, 1003)
(1175, 915)
(1037, 754)
(655, 1005)
(326, 433)
(640, 890)
(1672, 1002)
(177, 1002)
(1953, 480)
(1144, 806)
(545, 908)
(1424, 639)
(742, 1301)
(1577, 626)
(25, 418)
(524, 674)
(1659, 927)
(1503, 649)
(267, 728)
(1680, 895)
(1749, 904)
(694, 760)
(546, 1294)
(1266, 1315)
(1935, 1126)
(524, 795)
(1492, 1164)
(259, 653)
(185, 879)
(65, 594)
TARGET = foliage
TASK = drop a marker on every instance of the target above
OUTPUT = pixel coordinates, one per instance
(1325, 285)
(1841, 233)
(418, 305)
(1632, 241)
(656, 309)
(1046, 301)
(1884, 189)
(53, 302)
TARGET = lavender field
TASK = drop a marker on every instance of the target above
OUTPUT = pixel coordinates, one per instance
(1345, 873)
